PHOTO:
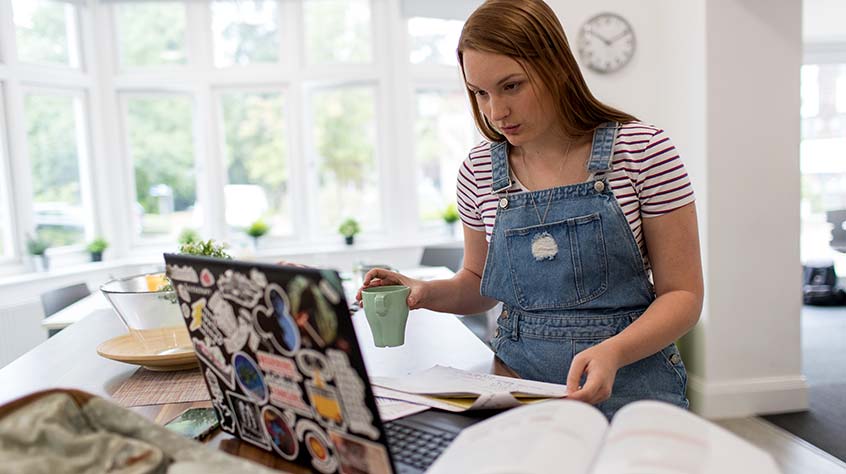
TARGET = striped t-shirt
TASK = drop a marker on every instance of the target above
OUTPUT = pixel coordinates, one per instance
(647, 177)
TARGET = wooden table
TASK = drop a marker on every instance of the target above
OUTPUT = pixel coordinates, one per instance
(69, 360)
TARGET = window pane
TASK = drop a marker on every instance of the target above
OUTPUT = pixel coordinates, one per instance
(151, 33)
(344, 137)
(52, 131)
(45, 32)
(245, 32)
(337, 31)
(162, 151)
(444, 133)
(256, 161)
(433, 41)
(810, 91)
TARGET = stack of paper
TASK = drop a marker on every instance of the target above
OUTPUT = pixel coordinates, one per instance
(457, 390)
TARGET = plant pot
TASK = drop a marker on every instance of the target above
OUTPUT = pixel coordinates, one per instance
(42, 263)
(96, 256)
(349, 240)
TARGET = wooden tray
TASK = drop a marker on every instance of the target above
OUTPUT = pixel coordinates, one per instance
(153, 349)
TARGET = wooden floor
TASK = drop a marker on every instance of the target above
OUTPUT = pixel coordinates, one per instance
(793, 454)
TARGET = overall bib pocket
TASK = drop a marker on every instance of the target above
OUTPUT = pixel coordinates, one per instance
(558, 265)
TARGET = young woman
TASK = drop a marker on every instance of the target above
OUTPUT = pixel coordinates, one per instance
(577, 217)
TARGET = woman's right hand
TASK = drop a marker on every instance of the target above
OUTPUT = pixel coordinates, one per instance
(382, 277)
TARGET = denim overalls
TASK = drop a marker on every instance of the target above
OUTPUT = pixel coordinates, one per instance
(569, 272)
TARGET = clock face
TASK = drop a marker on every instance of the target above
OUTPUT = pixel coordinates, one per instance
(606, 43)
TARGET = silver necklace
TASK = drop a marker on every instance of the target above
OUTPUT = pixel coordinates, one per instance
(531, 193)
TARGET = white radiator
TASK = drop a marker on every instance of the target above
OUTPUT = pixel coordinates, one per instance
(20, 330)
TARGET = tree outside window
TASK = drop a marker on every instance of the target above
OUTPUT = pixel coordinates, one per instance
(45, 32)
(151, 33)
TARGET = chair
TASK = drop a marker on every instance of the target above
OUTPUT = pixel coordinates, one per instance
(55, 300)
(448, 256)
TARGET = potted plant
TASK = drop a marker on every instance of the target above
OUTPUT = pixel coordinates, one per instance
(349, 228)
(206, 248)
(450, 216)
(256, 230)
(96, 248)
(37, 247)
(188, 235)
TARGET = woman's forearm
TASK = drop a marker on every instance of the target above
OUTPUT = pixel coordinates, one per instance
(457, 295)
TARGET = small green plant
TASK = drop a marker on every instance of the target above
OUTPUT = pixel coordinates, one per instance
(206, 248)
(349, 228)
(258, 229)
(188, 235)
(36, 245)
(97, 245)
(450, 214)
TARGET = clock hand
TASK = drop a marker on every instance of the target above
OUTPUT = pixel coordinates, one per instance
(621, 35)
(601, 38)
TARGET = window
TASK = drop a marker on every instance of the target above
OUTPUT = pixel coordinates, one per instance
(46, 32)
(151, 33)
(443, 133)
(5, 192)
(348, 21)
(256, 160)
(245, 32)
(161, 147)
(822, 153)
(433, 40)
(54, 125)
(344, 134)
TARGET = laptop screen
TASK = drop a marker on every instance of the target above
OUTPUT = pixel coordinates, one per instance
(281, 361)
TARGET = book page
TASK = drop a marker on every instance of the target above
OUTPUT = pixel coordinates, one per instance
(455, 383)
(551, 436)
(656, 437)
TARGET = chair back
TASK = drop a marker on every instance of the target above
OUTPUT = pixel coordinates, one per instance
(60, 298)
(443, 256)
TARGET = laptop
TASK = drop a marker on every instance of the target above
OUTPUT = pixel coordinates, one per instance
(284, 369)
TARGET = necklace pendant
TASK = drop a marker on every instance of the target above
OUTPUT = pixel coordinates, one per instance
(544, 247)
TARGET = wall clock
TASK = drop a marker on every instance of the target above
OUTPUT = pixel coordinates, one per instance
(606, 43)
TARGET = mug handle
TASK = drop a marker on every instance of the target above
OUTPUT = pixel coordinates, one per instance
(379, 300)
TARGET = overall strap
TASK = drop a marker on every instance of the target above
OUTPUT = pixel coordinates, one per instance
(602, 149)
(500, 174)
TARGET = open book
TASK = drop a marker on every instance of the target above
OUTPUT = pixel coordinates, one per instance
(457, 390)
(574, 437)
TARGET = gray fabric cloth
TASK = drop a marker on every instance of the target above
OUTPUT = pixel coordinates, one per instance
(55, 435)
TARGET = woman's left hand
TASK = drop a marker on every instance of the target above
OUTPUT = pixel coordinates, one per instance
(599, 366)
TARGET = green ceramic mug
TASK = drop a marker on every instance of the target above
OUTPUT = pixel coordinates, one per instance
(386, 308)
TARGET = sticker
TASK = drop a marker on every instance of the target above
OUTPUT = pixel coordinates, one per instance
(275, 324)
(326, 403)
(186, 311)
(279, 431)
(236, 341)
(197, 308)
(223, 314)
(206, 278)
(249, 377)
(286, 393)
(249, 420)
(278, 365)
(314, 364)
(312, 312)
(183, 292)
(238, 288)
(258, 277)
(318, 446)
(352, 389)
(213, 358)
(211, 332)
(182, 273)
(357, 455)
(224, 414)
(329, 291)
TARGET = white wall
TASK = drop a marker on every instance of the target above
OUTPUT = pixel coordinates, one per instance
(722, 77)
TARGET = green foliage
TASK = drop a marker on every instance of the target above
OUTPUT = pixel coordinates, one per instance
(188, 235)
(349, 228)
(344, 134)
(206, 248)
(46, 39)
(450, 214)
(97, 245)
(36, 245)
(257, 229)
(151, 34)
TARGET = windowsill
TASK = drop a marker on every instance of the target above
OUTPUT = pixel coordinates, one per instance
(360, 250)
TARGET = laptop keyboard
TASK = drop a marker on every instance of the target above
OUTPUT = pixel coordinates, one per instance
(417, 447)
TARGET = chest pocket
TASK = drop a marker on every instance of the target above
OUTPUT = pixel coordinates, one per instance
(558, 265)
